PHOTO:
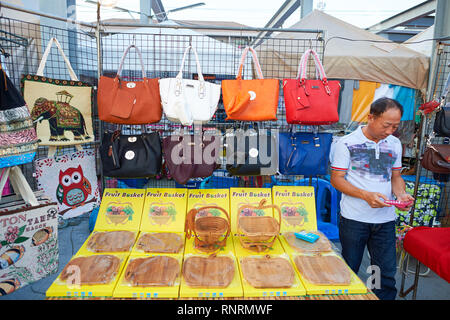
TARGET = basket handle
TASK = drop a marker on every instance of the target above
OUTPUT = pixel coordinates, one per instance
(190, 222)
(262, 206)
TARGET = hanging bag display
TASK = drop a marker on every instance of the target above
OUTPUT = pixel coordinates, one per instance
(129, 102)
(71, 181)
(304, 153)
(191, 155)
(187, 101)
(62, 109)
(18, 140)
(131, 156)
(442, 121)
(251, 152)
(436, 158)
(309, 101)
(250, 100)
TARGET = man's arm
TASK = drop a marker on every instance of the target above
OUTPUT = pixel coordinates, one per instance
(339, 182)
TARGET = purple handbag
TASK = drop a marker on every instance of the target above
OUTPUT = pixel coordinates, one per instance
(191, 156)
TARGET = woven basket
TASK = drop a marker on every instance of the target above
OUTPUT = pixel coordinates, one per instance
(117, 219)
(210, 233)
(260, 232)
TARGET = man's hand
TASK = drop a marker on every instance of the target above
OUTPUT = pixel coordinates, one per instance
(373, 199)
(406, 197)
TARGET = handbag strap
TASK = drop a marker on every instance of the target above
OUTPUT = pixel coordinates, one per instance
(40, 70)
(303, 66)
(199, 69)
(255, 60)
(119, 71)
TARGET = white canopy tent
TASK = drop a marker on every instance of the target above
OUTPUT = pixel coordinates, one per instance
(350, 53)
(422, 42)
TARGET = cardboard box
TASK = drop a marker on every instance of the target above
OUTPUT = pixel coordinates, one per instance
(297, 289)
(298, 209)
(61, 288)
(121, 209)
(124, 289)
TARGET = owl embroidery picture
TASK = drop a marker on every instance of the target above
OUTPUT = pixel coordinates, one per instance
(73, 189)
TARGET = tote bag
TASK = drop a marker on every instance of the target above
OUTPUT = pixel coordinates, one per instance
(129, 102)
(311, 101)
(62, 109)
(71, 181)
(188, 101)
(18, 140)
(250, 100)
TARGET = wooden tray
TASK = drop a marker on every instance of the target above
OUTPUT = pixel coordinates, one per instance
(95, 269)
(156, 271)
(321, 245)
(323, 269)
(208, 272)
(267, 272)
(111, 241)
(160, 242)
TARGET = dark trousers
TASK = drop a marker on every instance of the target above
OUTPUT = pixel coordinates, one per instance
(380, 241)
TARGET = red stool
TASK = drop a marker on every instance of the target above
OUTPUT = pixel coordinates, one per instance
(431, 247)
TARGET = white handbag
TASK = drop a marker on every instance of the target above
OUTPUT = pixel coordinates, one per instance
(189, 101)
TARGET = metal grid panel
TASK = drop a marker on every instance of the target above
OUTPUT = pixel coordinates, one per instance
(25, 43)
(433, 189)
(162, 53)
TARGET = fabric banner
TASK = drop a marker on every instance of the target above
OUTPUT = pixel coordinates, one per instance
(71, 181)
(28, 242)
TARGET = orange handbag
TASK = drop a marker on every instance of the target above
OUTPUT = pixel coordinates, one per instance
(129, 102)
(250, 100)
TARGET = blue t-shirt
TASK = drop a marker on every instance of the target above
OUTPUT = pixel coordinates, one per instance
(368, 166)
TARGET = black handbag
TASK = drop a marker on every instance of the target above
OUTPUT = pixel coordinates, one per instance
(251, 152)
(131, 156)
(441, 126)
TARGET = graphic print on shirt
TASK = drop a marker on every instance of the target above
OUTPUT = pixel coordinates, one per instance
(365, 163)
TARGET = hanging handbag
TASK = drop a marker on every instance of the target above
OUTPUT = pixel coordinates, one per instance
(18, 140)
(441, 126)
(250, 100)
(188, 101)
(436, 158)
(61, 109)
(191, 156)
(131, 156)
(308, 101)
(129, 102)
(251, 152)
(304, 153)
(71, 181)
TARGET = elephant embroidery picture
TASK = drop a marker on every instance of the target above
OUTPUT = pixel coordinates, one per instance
(61, 117)
(60, 109)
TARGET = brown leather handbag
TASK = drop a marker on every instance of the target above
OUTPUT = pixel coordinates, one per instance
(129, 102)
(436, 158)
(250, 100)
(210, 232)
(191, 156)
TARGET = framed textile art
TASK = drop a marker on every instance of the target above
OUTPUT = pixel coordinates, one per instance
(62, 109)
(75, 188)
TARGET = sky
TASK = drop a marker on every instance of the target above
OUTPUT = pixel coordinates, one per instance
(256, 13)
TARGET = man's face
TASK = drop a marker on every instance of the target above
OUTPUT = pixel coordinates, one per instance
(385, 124)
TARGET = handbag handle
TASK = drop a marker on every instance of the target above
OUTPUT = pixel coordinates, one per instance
(40, 70)
(255, 60)
(119, 71)
(303, 66)
(199, 69)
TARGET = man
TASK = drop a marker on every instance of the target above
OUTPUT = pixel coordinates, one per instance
(366, 167)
